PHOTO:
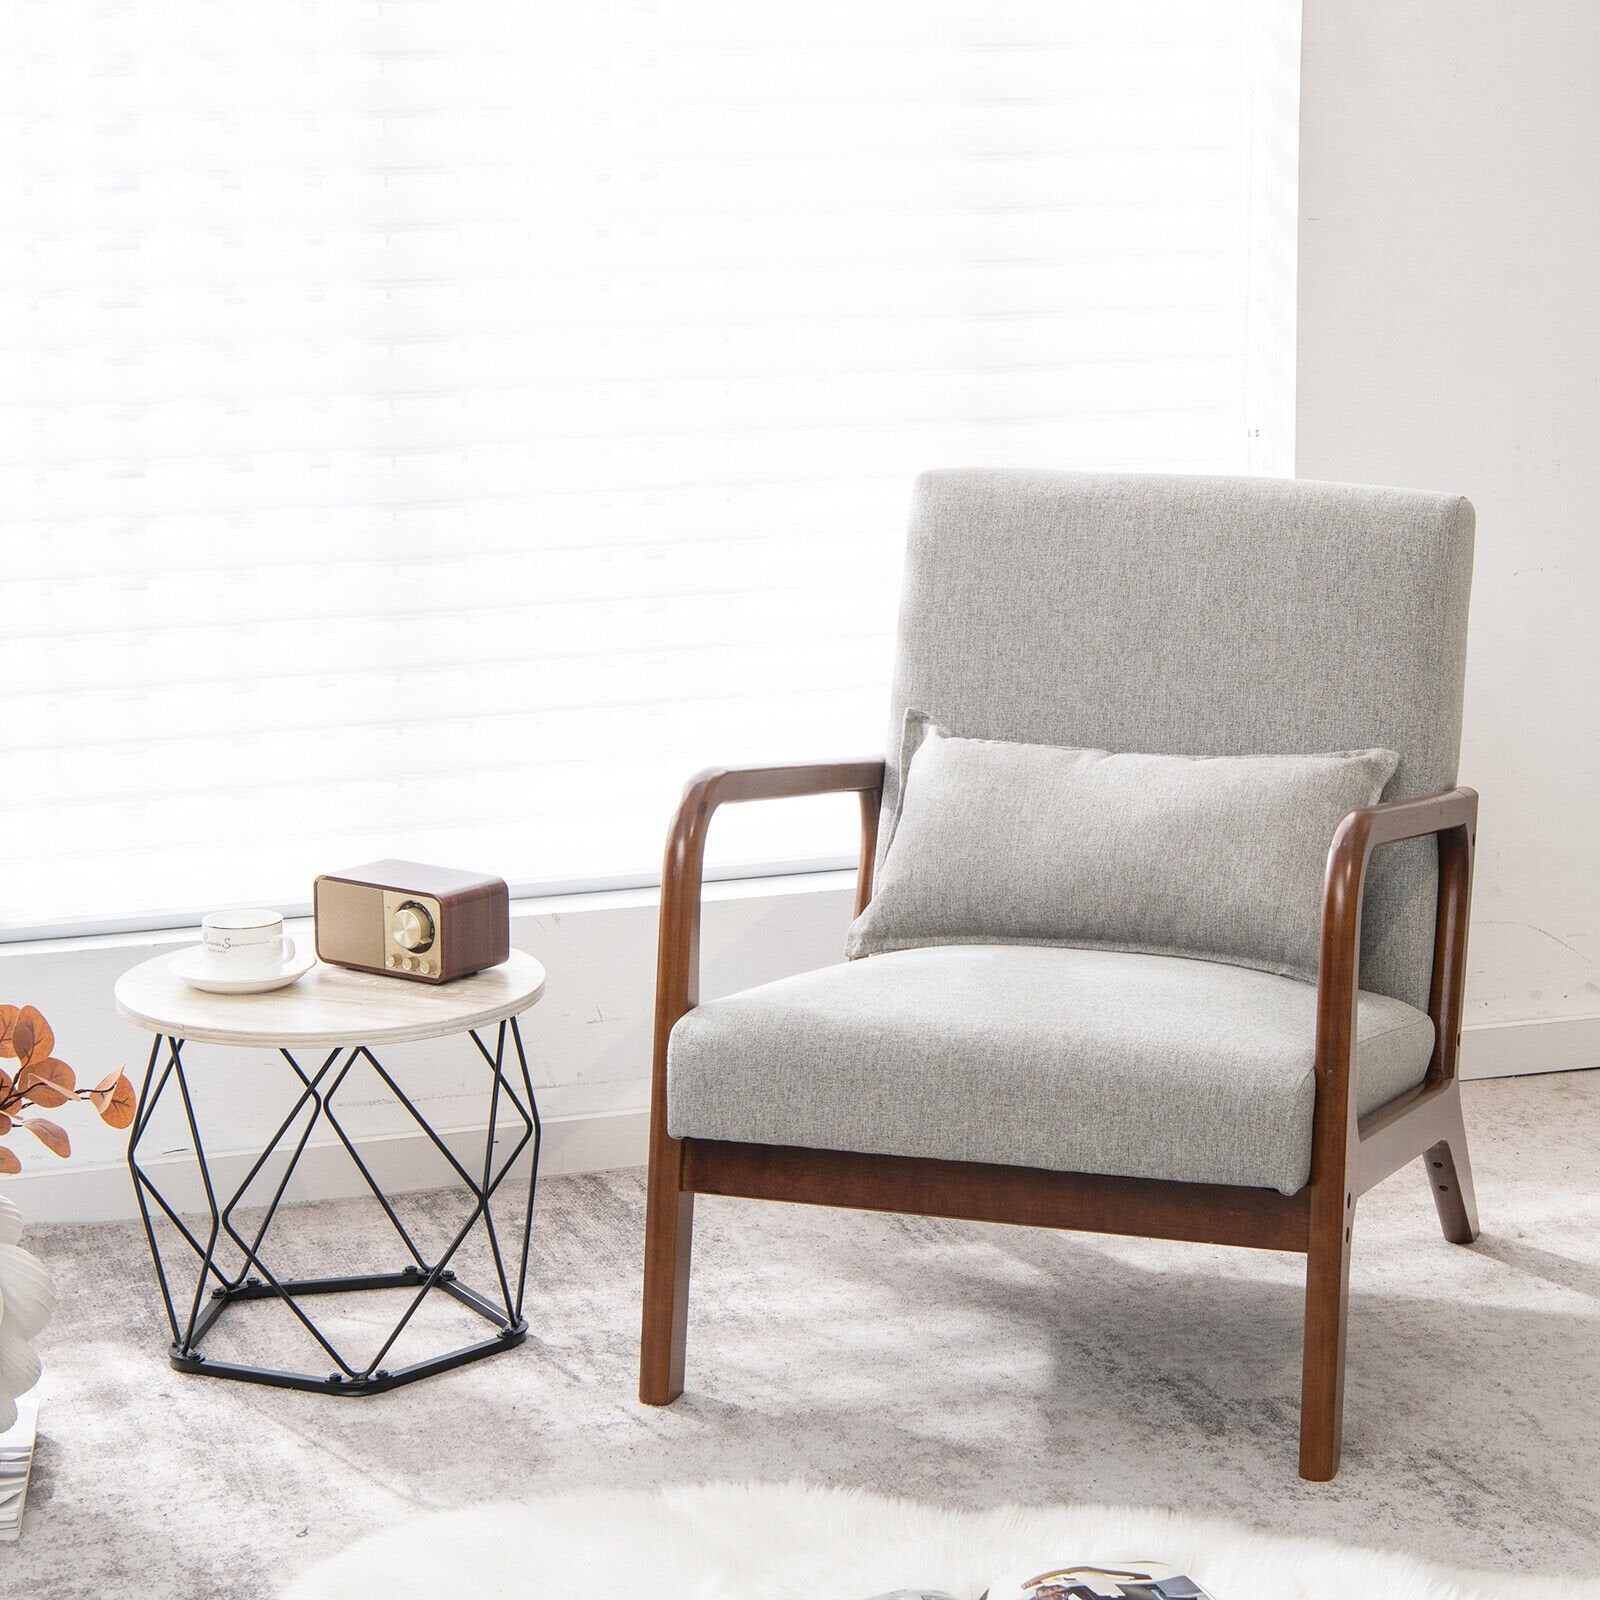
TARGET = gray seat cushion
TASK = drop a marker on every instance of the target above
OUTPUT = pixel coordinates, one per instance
(1076, 1060)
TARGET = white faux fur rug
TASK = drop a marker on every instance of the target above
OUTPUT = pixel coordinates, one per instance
(795, 1542)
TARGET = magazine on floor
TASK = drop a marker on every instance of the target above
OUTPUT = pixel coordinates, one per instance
(1133, 1580)
(16, 1458)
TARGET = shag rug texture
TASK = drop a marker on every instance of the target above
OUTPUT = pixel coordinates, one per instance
(796, 1542)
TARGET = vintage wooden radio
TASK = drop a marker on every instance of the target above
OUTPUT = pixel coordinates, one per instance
(407, 920)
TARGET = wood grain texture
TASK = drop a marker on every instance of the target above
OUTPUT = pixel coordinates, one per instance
(669, 1206)
(477, 932)
(1347, 1156)
(1449, 1172)
(329, 1006)
(975, 1191)
(474, 915)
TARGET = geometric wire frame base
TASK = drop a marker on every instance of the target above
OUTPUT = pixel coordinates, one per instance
(253, 1280)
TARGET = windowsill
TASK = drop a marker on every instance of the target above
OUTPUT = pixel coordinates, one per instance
(529, 908)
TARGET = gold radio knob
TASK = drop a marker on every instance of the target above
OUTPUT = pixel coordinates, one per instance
(412, 928)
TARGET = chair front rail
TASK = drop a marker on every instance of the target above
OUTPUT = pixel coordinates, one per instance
(972, 1191)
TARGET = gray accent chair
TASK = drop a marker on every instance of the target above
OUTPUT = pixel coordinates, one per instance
(1103, 1090)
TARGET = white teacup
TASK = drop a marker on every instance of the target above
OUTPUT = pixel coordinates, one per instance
(245, 944)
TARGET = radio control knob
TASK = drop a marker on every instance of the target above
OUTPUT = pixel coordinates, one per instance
(394, 961)
(411, 963)
(412, 928)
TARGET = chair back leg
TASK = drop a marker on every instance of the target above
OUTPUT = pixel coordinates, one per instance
(1449, 1172)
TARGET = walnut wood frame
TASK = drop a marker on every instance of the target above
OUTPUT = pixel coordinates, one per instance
(1349, 1154)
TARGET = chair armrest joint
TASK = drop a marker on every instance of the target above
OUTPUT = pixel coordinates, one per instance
(1451, 818)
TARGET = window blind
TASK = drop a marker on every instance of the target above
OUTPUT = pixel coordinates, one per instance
(435, 430)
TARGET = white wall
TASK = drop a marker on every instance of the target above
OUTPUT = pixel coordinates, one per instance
(1450, 339)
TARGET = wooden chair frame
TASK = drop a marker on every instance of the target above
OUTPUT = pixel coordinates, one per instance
(1350, 1154)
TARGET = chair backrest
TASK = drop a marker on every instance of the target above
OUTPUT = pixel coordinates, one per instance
(1200, 616)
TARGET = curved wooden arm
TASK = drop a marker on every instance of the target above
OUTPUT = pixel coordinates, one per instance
(1350, 1154)
(1453, 817)
(682, 872)
(669, 1214)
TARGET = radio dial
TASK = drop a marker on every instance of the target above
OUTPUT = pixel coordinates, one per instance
(412, 928)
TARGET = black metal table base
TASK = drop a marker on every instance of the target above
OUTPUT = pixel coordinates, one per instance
(216, 1289)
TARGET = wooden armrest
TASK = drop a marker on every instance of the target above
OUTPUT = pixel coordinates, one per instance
(1453, 818)
(1362, 830)
(670, 1212)
(718, 786)
(682, 872)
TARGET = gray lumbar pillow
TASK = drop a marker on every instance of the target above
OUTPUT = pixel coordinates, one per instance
(1219, 857)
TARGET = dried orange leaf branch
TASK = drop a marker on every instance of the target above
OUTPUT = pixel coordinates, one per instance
(43, 1081)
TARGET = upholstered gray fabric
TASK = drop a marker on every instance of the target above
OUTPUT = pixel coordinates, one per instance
(1076, 1060)
(1200, 616)
(1221, 857)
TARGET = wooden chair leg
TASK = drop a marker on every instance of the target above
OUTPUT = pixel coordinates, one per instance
(1450, 1176)
(668, 1236)
(1327, 1313)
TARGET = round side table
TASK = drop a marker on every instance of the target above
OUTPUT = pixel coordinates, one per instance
(343, 1017)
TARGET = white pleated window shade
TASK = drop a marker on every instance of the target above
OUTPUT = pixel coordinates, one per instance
(436, 429)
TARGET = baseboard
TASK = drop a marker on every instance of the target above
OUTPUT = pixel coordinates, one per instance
(1545, 1044)
(103, 1192)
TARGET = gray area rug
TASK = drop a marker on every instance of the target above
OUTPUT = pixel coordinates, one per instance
(960, 1364)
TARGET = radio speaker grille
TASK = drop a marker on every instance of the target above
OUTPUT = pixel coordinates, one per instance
(350, 922)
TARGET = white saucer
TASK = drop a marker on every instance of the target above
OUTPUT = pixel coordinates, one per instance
(189, 964)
